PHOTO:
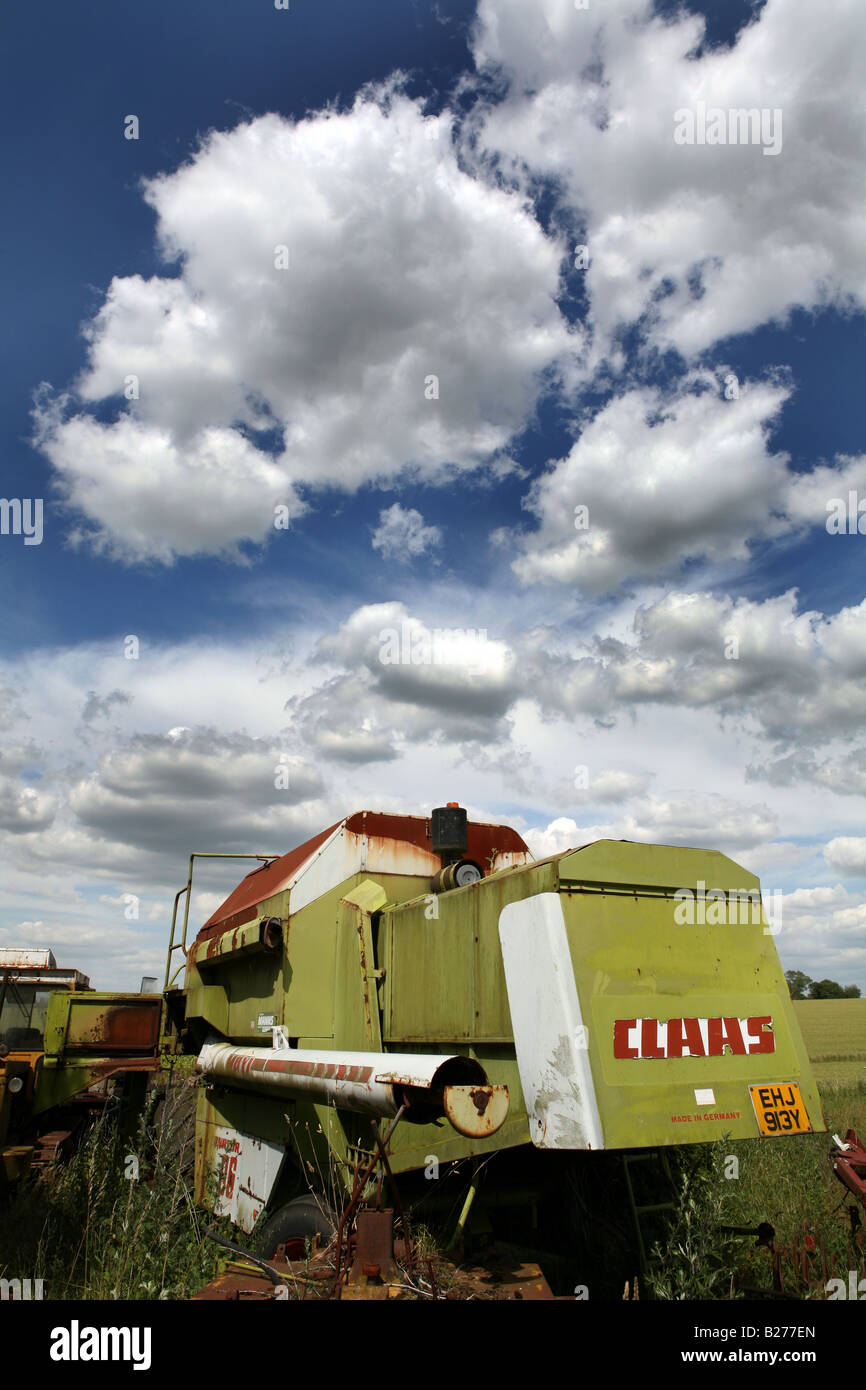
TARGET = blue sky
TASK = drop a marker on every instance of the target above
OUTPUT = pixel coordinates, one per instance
(698, 648)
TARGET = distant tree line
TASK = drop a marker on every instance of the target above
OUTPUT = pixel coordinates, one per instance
(801, 987)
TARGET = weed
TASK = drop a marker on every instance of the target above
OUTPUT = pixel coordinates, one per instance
(117, 1220)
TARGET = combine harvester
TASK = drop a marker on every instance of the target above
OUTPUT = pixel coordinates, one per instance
(63, 1048)
(617, 997)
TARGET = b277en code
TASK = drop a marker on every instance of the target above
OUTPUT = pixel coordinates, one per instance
(778, 1331)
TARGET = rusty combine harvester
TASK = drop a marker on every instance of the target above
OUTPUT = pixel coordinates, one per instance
(428, 974)
(61, 1044)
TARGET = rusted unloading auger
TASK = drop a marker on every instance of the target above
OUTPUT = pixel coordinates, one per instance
(368, 1083)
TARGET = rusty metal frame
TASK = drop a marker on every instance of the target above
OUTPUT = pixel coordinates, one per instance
(181, 945)
(848, 1161)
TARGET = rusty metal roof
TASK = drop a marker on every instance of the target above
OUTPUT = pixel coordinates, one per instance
(241, 905)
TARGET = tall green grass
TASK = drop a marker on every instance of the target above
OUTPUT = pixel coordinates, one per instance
(787, 1182)
(115, 1221)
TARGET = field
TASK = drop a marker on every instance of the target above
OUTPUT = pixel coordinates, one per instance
(834, 1031)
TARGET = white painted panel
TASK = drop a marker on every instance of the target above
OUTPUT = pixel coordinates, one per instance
(347, 853)
(247, 1169)
(327, 866)
(550, 1038)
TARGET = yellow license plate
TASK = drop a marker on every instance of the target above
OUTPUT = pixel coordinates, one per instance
(779, 1109)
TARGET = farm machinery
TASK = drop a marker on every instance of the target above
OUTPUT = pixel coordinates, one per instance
(66, 1051)
(524, 1021)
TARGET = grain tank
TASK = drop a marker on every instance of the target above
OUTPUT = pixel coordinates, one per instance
(616, 996)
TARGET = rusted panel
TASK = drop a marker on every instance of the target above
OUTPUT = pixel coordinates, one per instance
(499, 1281)
(18, 957)
(374, 1250)
(476, 1111)
(57, 979)
(242, 904)
(246, 1169)
(115, 1066)
(483, 839)
(125, 1023)
(382, 854)
(371, 840)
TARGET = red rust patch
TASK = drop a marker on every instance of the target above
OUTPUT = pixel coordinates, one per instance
(382, 830)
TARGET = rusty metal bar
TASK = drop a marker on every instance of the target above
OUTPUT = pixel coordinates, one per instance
(357, 1189)
(181, 945)
(396, 1195)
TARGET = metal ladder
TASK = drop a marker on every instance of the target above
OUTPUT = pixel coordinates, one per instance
(642, 1209)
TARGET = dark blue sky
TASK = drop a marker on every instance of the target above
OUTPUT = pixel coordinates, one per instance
(77, 218)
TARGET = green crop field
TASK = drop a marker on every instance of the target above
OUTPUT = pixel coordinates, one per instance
(834, 1031)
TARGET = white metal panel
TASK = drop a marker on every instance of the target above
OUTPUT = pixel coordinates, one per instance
(348, 852)
(247, 1169)
(330, 864)
(550, 1038)
(27, 958)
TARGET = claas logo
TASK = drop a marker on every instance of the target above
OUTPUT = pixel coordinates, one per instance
(692, 1037)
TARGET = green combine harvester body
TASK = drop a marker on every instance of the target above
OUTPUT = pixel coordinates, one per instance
(619, 996)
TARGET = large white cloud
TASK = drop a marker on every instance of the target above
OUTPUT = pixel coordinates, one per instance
(697, 241)
(847, 855)
(398, 268)
(652, 483)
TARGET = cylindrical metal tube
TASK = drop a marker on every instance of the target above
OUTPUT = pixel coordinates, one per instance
(343, 1079)
(371, 1083)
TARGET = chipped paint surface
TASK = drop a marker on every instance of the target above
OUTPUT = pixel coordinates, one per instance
(548, 1025)
(366, 841)
(365, 1082)
(20, 957)
(113, 1024)
(476, 1111)
(246, 1169)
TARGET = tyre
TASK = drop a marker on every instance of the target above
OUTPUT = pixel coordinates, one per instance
(294, 1224)
(170, 1126)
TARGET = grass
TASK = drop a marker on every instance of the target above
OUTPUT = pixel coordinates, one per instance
(115, 1221)
(787, 1182)
(834, 1031)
